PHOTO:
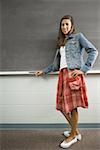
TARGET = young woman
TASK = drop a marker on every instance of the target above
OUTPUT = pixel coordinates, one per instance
(71, 90)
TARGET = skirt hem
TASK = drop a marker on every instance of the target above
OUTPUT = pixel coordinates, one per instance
(58, 109)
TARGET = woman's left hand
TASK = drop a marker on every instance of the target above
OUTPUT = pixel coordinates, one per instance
(75, 73)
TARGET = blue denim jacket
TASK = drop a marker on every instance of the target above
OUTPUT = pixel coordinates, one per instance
(74, 49)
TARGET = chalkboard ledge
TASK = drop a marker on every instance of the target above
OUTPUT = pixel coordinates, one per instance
(3, 73)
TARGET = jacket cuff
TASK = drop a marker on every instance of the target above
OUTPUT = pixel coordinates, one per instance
(45, 71)
(48, 69)
(85, 69)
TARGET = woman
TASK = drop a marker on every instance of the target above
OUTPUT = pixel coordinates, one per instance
(68, 60)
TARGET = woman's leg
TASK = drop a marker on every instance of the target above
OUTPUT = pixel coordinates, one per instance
(74, 123)
(74, 120)
(68, 118)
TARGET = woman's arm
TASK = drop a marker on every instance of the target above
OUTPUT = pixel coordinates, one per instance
(52, 67)
(48, 69)
(91, 51)
(55, 65)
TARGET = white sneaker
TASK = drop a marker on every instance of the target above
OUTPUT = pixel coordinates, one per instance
(64, 144)
(67, 134)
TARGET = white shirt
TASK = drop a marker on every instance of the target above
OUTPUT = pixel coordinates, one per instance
(63, 63)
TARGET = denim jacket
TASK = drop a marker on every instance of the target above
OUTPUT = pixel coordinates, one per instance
(74, 50)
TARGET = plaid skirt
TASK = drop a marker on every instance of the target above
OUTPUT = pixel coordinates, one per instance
(67, 99)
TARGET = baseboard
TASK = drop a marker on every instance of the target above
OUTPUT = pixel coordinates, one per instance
(45, 126)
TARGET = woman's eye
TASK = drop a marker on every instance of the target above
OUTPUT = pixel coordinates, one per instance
(65, 24)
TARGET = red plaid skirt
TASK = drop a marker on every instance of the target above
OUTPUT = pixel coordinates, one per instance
(67, 99)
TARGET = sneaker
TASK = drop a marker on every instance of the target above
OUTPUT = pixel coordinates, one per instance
(65, 144)
(67, 134)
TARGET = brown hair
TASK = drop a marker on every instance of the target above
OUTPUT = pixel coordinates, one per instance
(62, 37)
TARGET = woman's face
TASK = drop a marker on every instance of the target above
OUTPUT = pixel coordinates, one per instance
(66, 26)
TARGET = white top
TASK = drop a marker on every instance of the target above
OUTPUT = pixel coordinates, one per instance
(63, 63)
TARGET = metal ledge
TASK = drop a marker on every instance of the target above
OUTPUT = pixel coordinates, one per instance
(4, 73)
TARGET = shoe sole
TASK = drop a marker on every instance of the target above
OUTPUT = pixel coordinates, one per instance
(67, 146)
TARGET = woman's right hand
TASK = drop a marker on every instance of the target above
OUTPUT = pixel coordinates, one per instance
(39, 73)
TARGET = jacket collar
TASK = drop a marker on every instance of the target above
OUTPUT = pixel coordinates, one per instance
(71, 36)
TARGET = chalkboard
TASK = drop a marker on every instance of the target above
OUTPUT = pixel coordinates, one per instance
(29, 30)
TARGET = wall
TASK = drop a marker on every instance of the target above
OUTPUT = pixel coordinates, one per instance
(30, 99)
(29, 30)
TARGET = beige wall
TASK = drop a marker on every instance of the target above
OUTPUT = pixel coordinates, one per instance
(30, 99)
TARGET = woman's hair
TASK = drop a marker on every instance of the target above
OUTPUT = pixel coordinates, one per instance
(62, 37)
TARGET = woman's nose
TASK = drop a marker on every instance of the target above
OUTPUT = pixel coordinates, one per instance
(65, 26)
